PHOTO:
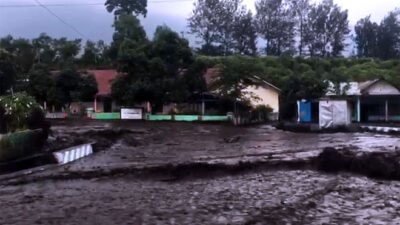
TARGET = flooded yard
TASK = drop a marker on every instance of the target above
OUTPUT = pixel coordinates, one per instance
(129, 180)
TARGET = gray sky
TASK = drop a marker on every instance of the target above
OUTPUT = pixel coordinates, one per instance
(95, 23)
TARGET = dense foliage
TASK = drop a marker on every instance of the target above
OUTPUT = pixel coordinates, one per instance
(7, 72)
(379, 40)
(155, 70)
(15, 111)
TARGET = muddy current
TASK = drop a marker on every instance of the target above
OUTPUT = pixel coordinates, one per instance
(189, 173)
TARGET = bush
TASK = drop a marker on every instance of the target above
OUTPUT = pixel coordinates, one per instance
(261, 113)
(19, 112)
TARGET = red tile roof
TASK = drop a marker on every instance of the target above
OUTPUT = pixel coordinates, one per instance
(104, 79)
(211, 75)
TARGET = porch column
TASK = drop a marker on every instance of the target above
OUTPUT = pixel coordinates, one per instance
(386, 110)
(298, 111)
(358, 110)
(95, 104)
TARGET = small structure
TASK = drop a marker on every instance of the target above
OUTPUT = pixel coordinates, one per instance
(263, 93)
(103, 101)
(260, 93)
(359, 102)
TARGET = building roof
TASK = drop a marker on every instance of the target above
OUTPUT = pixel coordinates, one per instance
(361, 88)
(104, 79)
(259, 80)
(212, 74)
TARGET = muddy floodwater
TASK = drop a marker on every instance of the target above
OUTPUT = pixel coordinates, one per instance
(190, 173)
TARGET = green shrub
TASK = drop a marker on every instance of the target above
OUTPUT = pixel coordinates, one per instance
(261, 113)
(16, 111)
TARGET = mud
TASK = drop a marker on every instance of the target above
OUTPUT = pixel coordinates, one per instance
(179, 173)
(376, 164)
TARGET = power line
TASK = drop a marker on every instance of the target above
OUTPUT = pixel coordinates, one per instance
(79, 4)
(59, 18)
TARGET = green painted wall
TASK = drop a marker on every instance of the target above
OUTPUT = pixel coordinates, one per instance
(20, 144)
(214, 118)
(159, 117)
(187, 118)
(106, 116)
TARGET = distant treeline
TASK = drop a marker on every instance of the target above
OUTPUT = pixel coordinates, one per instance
(304, 45)
(291, 28)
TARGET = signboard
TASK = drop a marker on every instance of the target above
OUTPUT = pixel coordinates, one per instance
(132, 114)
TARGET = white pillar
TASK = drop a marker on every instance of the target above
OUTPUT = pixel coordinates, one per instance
(203, 108)
(298, 111)
(95, 104)
(358, 110)
(386, 110)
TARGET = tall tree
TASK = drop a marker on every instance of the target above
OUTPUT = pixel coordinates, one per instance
(366, 37)
(389, 36)
(214, 22)
(91, 54)
(40, 83)
(127, 7)
(44, 49)
(8, 73)
(277, 25)
(66, 50)
(24, 55)
(301, 8)
(245, 33)
(22, 51)
(127, 28)
(329, 27)
(226, 14)
(152, 70)
(202, 23)
(65, 88)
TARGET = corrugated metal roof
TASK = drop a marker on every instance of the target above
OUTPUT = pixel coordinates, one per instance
(351, 88)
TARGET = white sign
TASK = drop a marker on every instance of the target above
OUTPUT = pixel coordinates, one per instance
(131, 114)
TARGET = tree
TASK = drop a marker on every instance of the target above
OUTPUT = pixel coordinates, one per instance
(87, 88)
(7, 43)
(65, 88)
(127, 7)
(328, 25)
(202, 23)
(213, 21)
(66, 50)
(8, 73)
(226, 15)
(194, 78)
(44, 49)
(153, 70)
(91, 54)
(245, 33)
(389, 36)
(276, 24)
(24, 55)
(366, 37)
(40, 83)
(127, 28)
(235, 74)
(301, 8)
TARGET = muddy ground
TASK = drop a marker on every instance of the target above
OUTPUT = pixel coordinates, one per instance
(190, 173)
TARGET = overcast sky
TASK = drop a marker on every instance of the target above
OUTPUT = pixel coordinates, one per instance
(95, 23)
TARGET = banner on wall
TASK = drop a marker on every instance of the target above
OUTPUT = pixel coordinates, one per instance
(132, 114)
(334, 113)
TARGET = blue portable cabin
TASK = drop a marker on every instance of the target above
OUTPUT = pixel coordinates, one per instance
(308, 111)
